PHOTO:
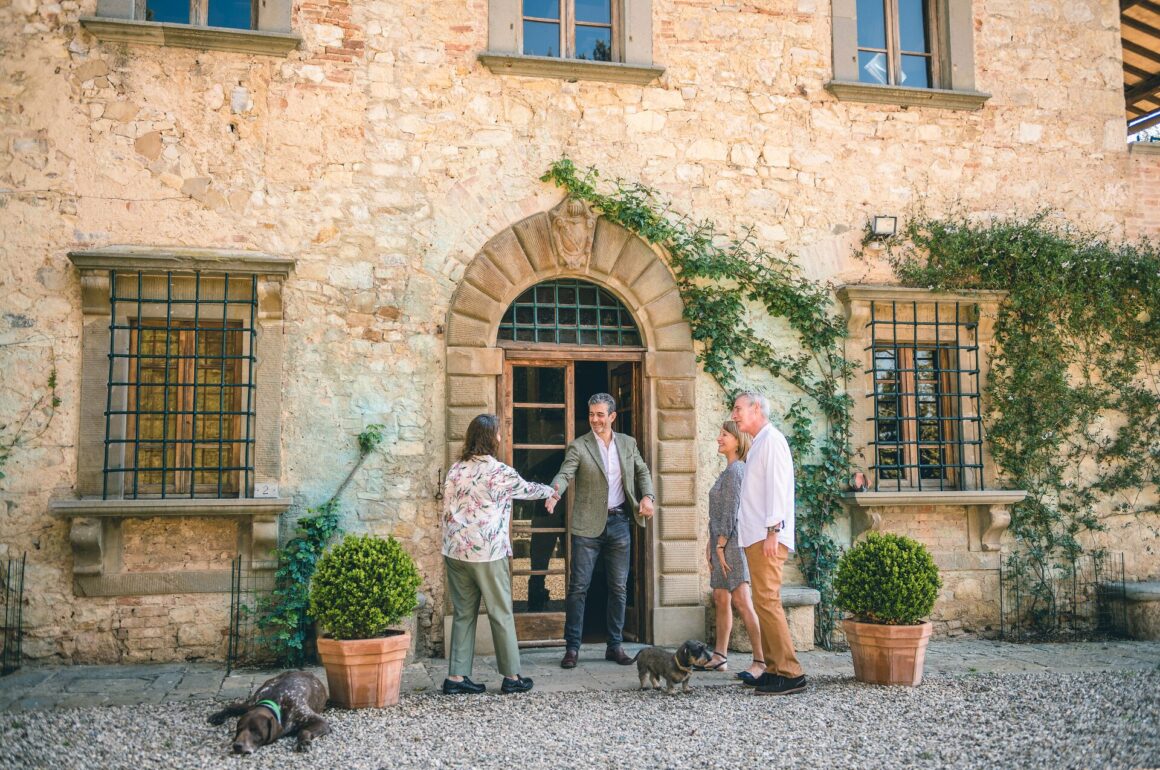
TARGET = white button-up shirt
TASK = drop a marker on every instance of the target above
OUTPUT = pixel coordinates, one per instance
(611, 460)
(767, 490)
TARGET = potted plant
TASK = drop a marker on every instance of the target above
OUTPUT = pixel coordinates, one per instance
(361, 587)
(889, 583)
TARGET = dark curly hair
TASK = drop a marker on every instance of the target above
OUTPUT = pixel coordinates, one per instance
(481, 437)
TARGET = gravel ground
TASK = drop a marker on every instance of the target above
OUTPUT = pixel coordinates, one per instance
(1090, 720)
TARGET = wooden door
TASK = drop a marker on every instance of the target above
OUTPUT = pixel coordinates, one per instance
(538, 400)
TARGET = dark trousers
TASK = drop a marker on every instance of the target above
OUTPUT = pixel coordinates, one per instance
(615, 542)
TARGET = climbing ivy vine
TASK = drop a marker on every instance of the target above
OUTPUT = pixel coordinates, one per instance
(719, 279)
(1072, 404)
(283, 614)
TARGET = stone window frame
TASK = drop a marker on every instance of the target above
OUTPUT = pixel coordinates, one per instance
(977, 307)
(504, 55)
(123, 21)
(988, 508)
(95, 523)
(953, 34)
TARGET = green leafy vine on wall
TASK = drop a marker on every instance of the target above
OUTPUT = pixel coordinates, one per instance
(718, 279)
(34, 421)
(284, 614)
(1072, 404)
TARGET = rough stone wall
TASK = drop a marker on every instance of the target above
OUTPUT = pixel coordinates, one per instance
(381, 156)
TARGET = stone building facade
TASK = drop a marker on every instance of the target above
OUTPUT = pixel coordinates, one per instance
(367, 175)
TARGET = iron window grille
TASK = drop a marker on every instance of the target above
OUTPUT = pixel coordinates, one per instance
(569, 312)
(179, 414)
(927, 429)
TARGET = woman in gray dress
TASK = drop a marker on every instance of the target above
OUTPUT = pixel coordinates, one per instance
(730, 573)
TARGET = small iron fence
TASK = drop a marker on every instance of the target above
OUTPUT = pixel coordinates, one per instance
(1076, 600)
(12, 591)
(249, 644)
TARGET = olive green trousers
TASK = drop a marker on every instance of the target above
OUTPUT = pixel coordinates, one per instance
(467, 583)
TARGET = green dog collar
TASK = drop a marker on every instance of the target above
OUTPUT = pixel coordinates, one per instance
(273, 707)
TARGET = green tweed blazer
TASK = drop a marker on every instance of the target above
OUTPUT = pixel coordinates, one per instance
(583, 463)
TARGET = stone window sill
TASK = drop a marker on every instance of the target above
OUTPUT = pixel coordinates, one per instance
(908, 97)
(989, 511)
(569, 69)
(905, 498)
(95, 536)
(1144, 148)
(183, 506)
(250, 41)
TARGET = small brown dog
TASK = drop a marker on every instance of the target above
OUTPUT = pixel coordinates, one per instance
(287, 704)
(655, 663)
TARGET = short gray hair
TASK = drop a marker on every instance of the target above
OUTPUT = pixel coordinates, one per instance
(755, 398)
(603, 398)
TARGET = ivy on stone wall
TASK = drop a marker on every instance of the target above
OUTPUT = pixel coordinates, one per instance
(719, 279)
(34, 421)
(1072, 405)
(283, 616)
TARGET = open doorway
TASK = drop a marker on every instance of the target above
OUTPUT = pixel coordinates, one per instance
(545, 407)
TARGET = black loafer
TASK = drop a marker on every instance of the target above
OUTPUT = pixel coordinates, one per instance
(519, 684)
(466, 687)
(759, 681)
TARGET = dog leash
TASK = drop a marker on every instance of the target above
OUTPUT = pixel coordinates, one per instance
(273, 707)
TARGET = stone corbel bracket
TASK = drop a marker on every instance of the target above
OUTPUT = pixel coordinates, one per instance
(995, 520)
(988, 511)
(95, 536)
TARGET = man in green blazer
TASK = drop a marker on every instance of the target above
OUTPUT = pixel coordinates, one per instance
(612, 481)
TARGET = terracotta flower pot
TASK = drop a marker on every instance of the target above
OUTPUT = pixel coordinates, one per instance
(365, 672)
(887, 654)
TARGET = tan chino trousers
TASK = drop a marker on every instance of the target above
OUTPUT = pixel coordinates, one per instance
(765, 581)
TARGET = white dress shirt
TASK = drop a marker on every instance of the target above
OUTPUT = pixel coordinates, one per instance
(611, 460)
(767, 490)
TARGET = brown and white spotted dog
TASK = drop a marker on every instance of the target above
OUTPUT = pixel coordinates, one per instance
(287, 704)
(655, 663)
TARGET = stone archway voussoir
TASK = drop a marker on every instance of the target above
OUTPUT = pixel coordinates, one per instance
(536, 240)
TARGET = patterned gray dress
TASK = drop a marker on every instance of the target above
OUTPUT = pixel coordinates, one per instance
(724, 500)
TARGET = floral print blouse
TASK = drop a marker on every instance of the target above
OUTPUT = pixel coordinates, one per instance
(477, 506)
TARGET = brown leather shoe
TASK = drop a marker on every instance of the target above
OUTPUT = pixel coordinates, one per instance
(570, 659)
(618, 655)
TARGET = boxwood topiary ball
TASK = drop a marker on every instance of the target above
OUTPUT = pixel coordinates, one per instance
(363, 586)
(887, 578)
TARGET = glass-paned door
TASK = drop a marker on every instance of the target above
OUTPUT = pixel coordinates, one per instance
(539, 395)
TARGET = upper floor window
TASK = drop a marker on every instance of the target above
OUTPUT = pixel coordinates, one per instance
(235, 14)
(894, 44)
(240, 26)
(573, 29)
(609, 40)
(908, 52)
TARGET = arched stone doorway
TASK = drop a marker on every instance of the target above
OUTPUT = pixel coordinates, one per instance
(570, 241)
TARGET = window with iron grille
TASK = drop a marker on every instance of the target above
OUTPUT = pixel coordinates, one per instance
(569, 312)
(927, 430)
(179, 416)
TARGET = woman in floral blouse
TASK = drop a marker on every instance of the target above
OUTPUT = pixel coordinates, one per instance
(477, 507)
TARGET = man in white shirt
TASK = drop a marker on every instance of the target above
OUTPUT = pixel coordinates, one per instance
(765, 529)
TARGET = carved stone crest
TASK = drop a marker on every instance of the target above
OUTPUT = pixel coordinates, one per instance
(573, 228)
